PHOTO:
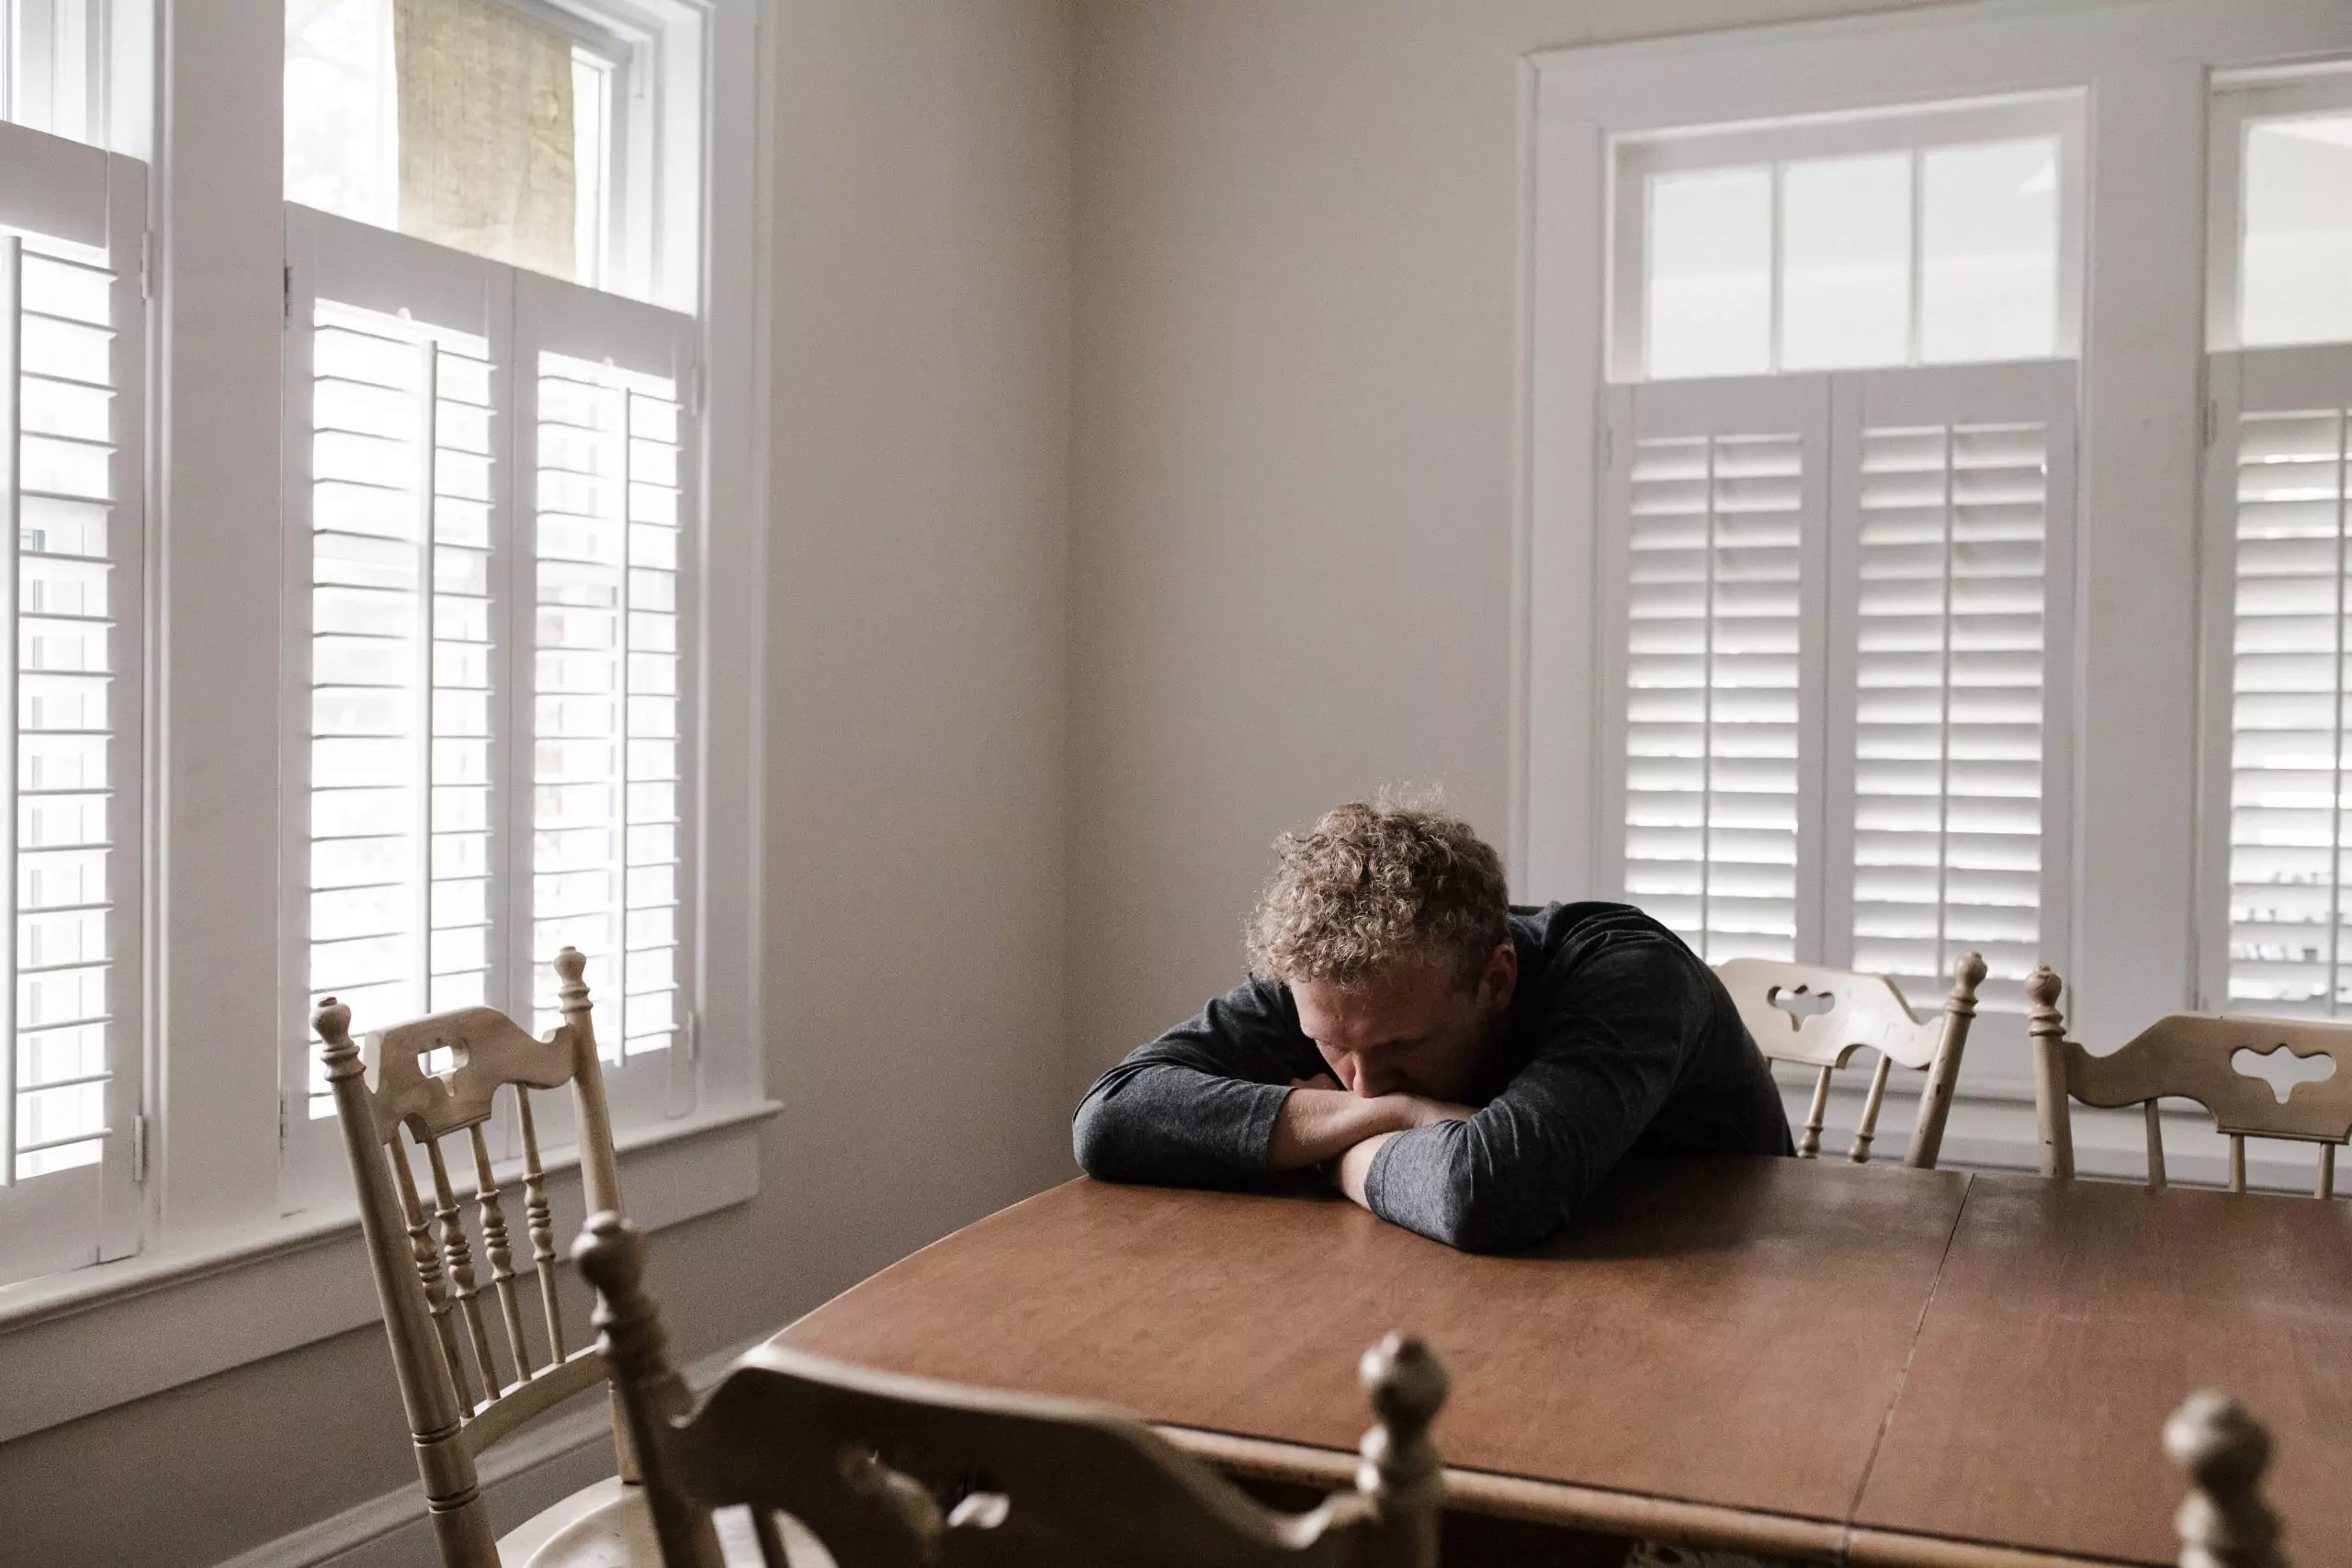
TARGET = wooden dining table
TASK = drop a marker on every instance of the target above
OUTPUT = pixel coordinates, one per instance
(1802, 1357)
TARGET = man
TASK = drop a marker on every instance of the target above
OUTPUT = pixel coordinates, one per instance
(1459, 1067)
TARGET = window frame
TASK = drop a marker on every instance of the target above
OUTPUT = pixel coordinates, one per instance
(116, 44)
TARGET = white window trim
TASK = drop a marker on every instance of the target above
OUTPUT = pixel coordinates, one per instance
(214, 1249)
(303, 1277)
(2145, 68)
(117, 48)
(660, 62)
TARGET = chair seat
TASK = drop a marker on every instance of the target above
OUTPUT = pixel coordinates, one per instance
(608, 1526)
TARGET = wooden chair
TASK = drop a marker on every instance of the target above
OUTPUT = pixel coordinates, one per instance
(2191, 1056)
(1798, 1012)
(2224, 1522)
(469, 1370)
(892, 1472)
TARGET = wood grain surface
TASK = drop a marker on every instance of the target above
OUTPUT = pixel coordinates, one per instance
(1726, 1331)
(2072, 1318)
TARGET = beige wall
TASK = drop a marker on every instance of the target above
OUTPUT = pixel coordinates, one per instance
(1292, 506)
(916, 784)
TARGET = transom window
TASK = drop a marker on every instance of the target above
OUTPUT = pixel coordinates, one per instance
(513, 129)
(1930, 237)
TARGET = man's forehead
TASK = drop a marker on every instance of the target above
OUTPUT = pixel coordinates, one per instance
(1397, 996)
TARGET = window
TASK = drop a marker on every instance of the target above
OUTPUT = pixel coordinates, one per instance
(2280, 856)
(411, 688)
(1931, 237)
(1840, 736)
(52, 66)
(71, 362)
(539, 136)
(1827, 653)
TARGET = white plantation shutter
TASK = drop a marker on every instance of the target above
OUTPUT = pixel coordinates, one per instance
(1838, 621)
(396, 780)
(71, 352)
(2278, 492)
(612, 586)
(491, 487)
(1953, 519)
(1717, 490)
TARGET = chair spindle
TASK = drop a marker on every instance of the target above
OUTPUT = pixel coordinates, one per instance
(2224, 1523)
(2156, 1147)
(428, 1269)
(2237, 1162)
(502, 1257)
(458, 1256)
(771, 1538)
(539, 1218)
(2326, 1172)
(1860, 1153)
(1809, 1146)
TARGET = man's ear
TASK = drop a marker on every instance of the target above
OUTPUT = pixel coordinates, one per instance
(1501, 976)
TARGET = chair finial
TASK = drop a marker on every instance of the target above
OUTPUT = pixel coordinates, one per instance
(1969, 972)
(2041, 986)
(2224, 1523)
(332, 1022)
(1401, 1471)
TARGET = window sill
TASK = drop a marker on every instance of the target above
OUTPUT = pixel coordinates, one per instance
(76, 1343)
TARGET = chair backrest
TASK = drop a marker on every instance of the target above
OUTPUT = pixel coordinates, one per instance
(892, 1472)
(448, 1327)
(2191, 1055)
(1801, 1013)
(2224, 1522)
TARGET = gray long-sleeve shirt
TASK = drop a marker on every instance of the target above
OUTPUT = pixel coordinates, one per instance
(1620, 1040)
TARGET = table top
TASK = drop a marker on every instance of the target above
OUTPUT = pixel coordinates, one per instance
(1918, 1353)
(2072, 1318)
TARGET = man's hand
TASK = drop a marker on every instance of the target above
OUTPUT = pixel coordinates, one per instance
(1320, 1121)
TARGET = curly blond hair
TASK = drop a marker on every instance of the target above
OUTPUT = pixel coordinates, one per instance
(1375, 885)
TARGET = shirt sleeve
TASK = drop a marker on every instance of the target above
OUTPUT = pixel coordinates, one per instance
(1621, 1026)
(1197, 1107)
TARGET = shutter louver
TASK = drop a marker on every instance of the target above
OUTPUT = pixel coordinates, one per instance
(2287, 714)
(607, 825)
(1713, 628)
(1948, 701)
(399, 787)
(72, 702)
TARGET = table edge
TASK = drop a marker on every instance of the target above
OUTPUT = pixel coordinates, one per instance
(1628, 1512)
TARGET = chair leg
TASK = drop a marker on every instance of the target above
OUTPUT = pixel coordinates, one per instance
(464, 1535)
(1809, 1146)
(1860, 1153)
